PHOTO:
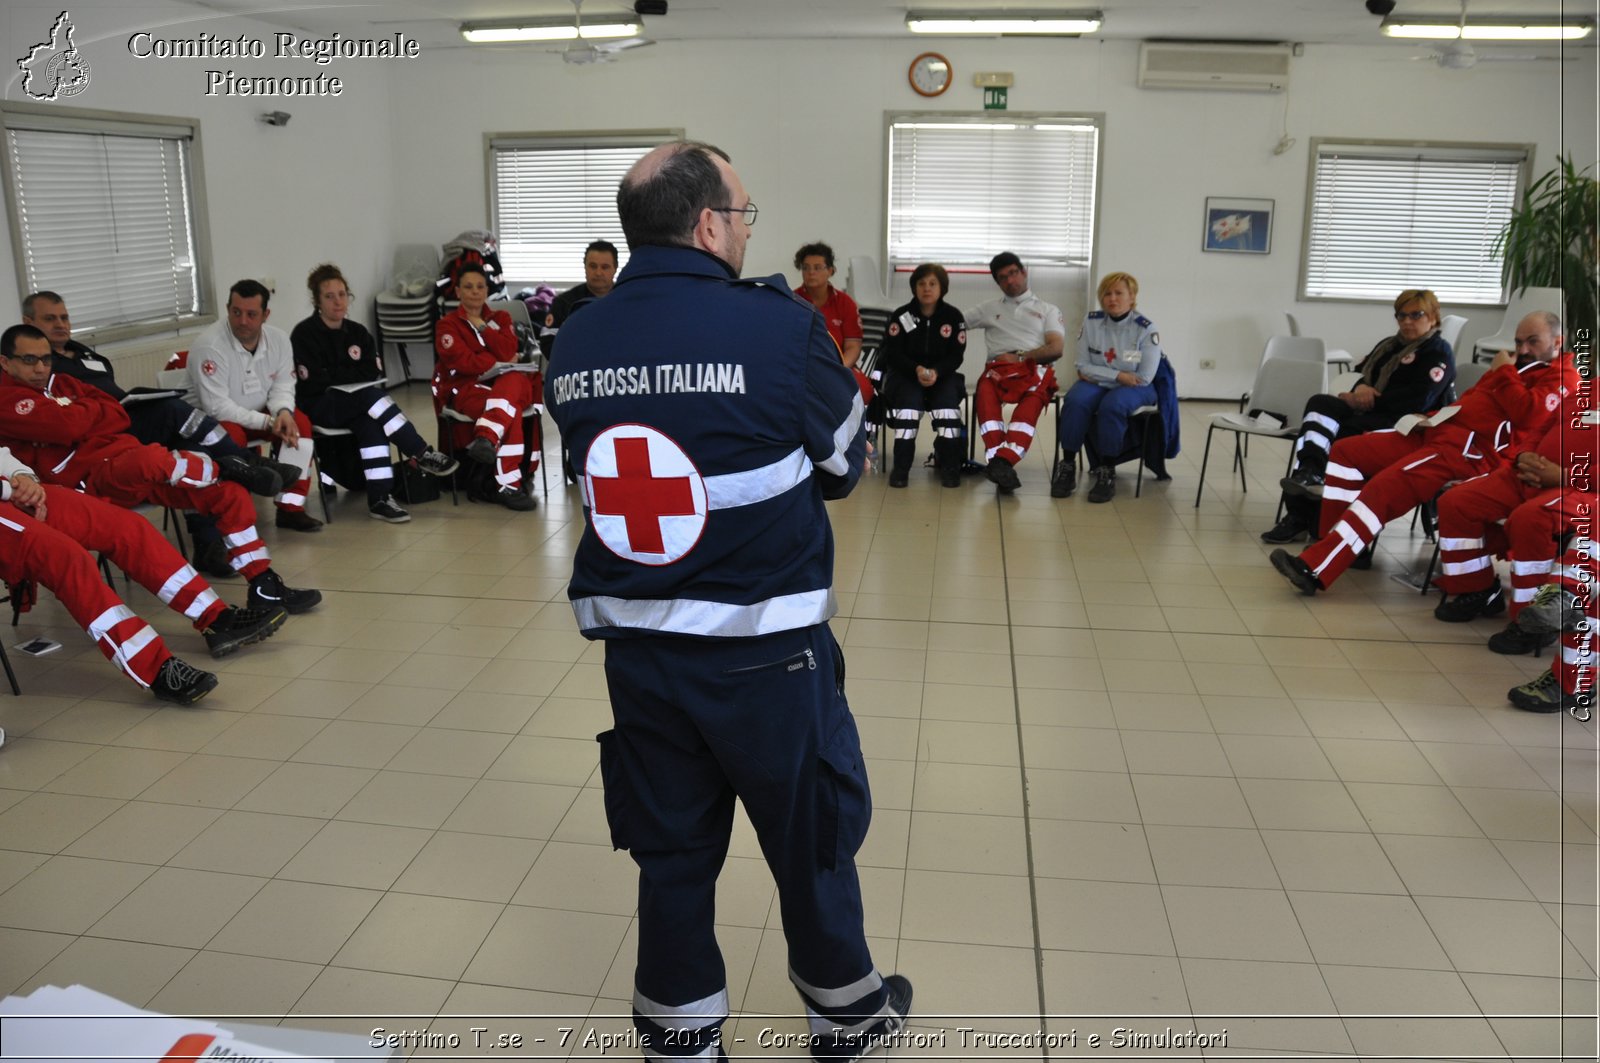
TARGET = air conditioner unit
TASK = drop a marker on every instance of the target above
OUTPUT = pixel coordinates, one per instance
(1222, 67)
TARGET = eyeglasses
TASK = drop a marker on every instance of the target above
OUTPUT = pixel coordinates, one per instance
(1410, 315)
(748, 210)
(32, 359)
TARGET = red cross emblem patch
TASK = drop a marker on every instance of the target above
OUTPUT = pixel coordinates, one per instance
(24, 407)
(208, 367)
(647, 501)
(354, 352)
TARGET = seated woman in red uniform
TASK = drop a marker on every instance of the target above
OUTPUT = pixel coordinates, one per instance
(473, 348)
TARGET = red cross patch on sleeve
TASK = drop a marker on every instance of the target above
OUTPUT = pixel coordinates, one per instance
(208, 367)
(24, 407)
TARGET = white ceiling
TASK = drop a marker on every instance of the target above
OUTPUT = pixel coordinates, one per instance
(434, 22)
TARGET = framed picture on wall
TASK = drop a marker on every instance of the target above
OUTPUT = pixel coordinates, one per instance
(1241, 226)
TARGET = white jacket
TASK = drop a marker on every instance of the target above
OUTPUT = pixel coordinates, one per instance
(233, 384)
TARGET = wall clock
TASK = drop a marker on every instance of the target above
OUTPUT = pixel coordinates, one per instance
(929, 74)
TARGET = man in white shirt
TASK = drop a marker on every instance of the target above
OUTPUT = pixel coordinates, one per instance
(241, 371)
(1024, 335)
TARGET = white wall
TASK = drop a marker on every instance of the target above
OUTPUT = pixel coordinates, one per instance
(399, 157)
(280, 200)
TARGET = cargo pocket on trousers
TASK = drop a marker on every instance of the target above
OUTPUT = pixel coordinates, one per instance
(618, 794)
(844, 804)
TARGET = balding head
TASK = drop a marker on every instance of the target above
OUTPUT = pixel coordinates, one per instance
(1539, 337)
(663, 198)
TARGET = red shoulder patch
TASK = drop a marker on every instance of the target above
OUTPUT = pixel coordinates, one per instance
(894, 328)
(1551, 401)
(354, 352)
(447, 341)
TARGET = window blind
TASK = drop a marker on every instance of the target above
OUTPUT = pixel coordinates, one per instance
(106, 220)
(960, 191)
(1383, 220)
(553, 196)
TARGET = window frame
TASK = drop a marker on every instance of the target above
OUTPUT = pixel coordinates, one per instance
(56, 118)
(1095, 118)
(604, 138)
(1441, 149)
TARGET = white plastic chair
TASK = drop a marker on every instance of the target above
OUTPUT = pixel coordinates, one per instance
(1281, 388)
(865, 283)
(1520, 306)
(1294, 323)
(1450, 327)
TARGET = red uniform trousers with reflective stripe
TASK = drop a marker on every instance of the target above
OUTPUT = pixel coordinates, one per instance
(1574, 666)
(1469, 533)
(1027, 384)
(498, 407)
(137, 475)
(30, 550)
(294, 495)
(1374, 478)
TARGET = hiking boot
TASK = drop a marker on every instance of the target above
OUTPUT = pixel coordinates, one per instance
(1460, 608)
(236, 627)
(387, 509)
(1516, 639)
(1295, 571)
(1002, 474)
(1065, 481)
(899, 477)
(1540, 695)
(1553, 609)
(950, 476)
(1290, 529)
(1105, 484)
(512, 498)
(297, 520)
(839, 1049)
(289, 474)
(181, 682)
(254, 477)
(268, 592)
(437, 463)
(211, 560)
(1303, 485)
(482, 450)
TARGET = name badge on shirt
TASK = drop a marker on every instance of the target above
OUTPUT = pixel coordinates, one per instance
(908, 321)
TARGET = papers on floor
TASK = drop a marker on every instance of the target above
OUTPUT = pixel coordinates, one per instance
(79, 1023)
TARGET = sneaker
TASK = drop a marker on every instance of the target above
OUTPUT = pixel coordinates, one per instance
(1295, 571)
(1516, 639)
(437, 463)
(1065, 481)
(1541, 695)
(289, 474)
(297, 520)
(1303, 485)
(181, 682)
(253, 477)
(515, 499)
(1002, 474)
(482, 450)
(211, 560)
(844, 1049)
(1553, 609)
(1290, 529)
(899, 478)
(1105, 484)
(1460, 608)
(236, 627)
(950, 477)
(387, 509)
(268, 592)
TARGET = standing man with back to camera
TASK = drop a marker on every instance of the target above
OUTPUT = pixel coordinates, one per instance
(709, 418)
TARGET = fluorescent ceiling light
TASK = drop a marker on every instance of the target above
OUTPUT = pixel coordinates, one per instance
(609, 26)
(1513, 29)
(1059, 23)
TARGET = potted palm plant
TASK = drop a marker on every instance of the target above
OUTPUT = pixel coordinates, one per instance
(1552, 239)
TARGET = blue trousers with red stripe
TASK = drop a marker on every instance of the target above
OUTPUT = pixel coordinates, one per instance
(700, 723)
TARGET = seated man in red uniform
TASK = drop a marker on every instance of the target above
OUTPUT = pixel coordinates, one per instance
(59, 515)
(1376, 477)
(1025, 334)
(74, 433)
(469, 342)
(1538, 499)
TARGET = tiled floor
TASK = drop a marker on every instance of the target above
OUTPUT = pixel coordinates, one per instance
(1124, 776)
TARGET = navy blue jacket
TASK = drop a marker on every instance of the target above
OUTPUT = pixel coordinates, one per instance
(708, 418)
